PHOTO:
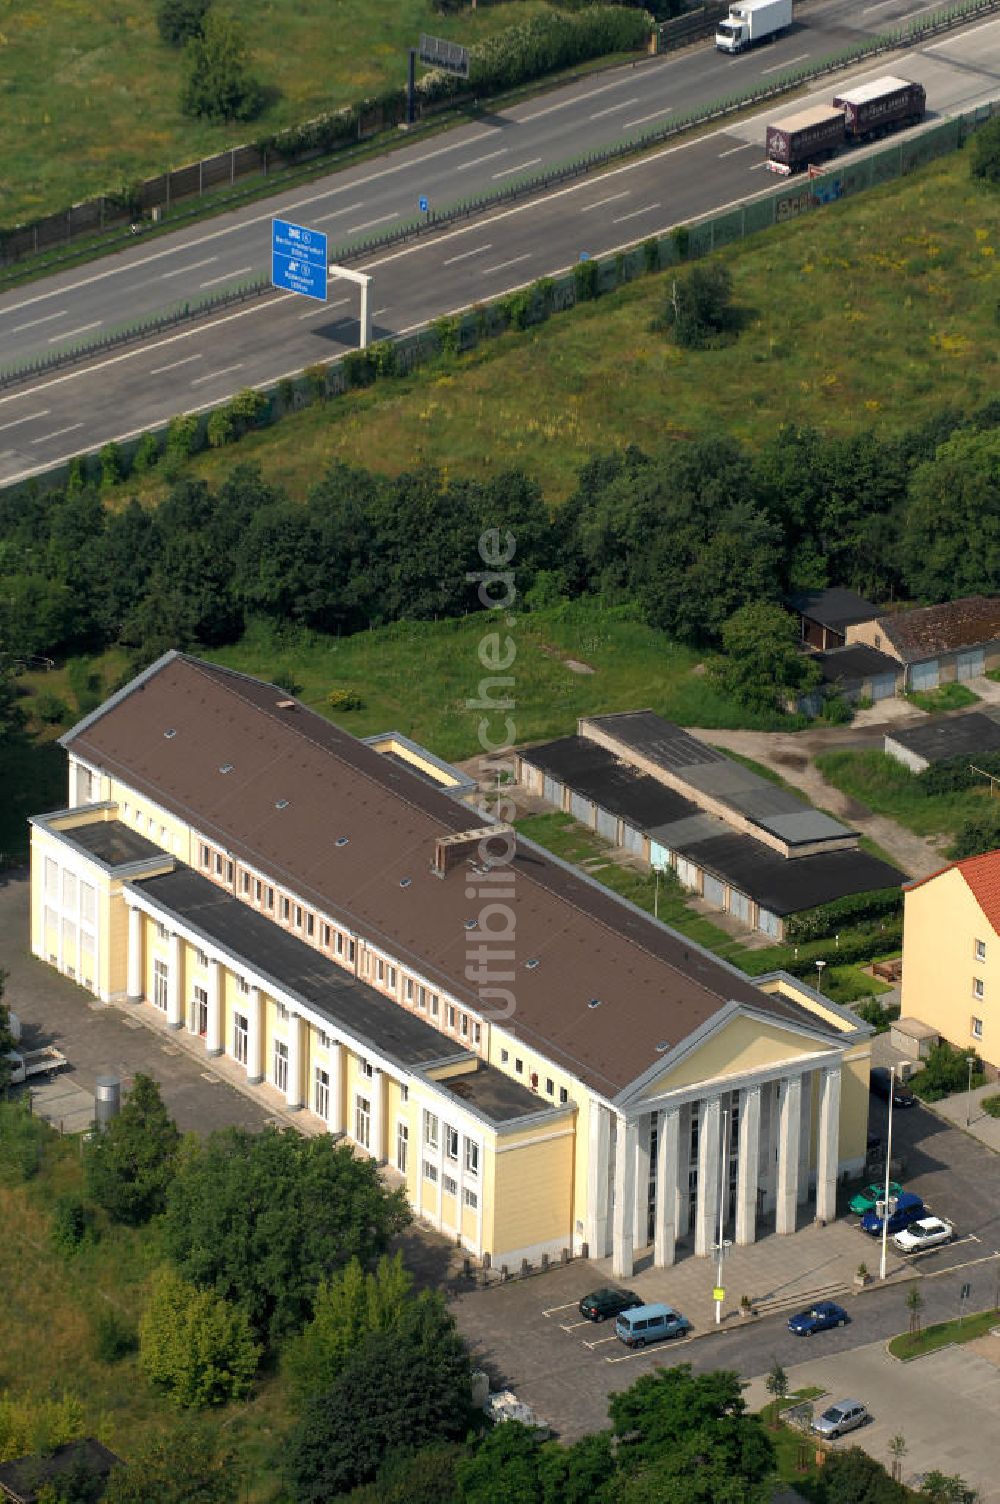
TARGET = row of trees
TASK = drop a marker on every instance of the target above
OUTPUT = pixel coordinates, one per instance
(692, 533)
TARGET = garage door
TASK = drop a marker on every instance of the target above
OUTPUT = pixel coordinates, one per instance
(767, 922)
(632, 839)
(925, 675)
(581, 809)
(969, 665)
(687, 872)
(714, 892)
(607, 825)
(659, 856)
(552, 791)
(883, 687)
(739, 905)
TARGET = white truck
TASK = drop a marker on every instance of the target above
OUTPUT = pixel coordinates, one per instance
(752, 21)
(25, 1063)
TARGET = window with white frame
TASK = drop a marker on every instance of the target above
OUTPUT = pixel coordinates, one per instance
(258, 890)
(519, 1067)
(241, 1038)
(470, 1198)
(451, 1016)
(449, 1185)
(362, 1121)
(339, 944)
(367, 1069)
(161, 930)
(218, 864)
(245, 883)
(434, 1005)
(471, 1157)
(325, 937)
(465, 1026)
(281, 1065)
(430, 1171)
(204, 855)
(69, 890)
(199, 1008)
(160, 985)
(269, 900)
(431, 1130)
(201, 957)
(404, 1092)
(978, 987)
(321, 1093)
(350, 951)
(422, 997)
(88, 903)
(980, 950)
(243, 985)
(392, 977)
(408, 989)
(477, 1032)
(285, 908)
(310, 924)
(504, 1057)
(550, 1086)
(563, 1095)
(402, 1146)
(298, 916)
(379, 969)
(977, 1028)
(324, 1040)
(282, 1011)
(451, 1142)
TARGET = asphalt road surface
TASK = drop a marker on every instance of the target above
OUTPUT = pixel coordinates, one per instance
(114, 397)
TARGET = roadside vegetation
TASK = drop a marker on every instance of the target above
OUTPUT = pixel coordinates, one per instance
(931, 804)
(916, 1344)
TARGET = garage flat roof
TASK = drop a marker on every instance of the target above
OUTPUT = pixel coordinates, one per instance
(598, 775)
(952, 736)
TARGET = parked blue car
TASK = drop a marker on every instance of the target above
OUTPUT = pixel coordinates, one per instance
(818, 1318)
(909, 1208)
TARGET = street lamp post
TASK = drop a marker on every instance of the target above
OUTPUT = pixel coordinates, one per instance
(819, 976)
(723, 1243)
(968, 1095)
(888, 1171)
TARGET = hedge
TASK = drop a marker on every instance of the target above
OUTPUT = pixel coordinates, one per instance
(863, 946)
(955, 774)
(830, 918)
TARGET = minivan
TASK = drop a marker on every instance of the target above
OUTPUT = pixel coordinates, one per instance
(650, 1324)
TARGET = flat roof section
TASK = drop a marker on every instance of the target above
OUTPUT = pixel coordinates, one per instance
(113, 843)
(596, 774)
(497, 1096)
(297, 968)
(855, 663)
(960, 735)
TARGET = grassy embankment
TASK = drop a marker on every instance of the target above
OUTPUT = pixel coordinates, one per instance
(96, 103)
(875, 312)
(888, 788)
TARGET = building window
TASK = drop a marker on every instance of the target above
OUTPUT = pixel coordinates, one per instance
(258, 890)
(161, 930)
(218, 864)
(339, 947)
(563, 1095)
(449, 1186)
(201, 958)
(362, 1121)
(367, 1069)
(402, 1146)
(270, 899)
(470, 1198)
(243, 985)
(199, 1009)
(434, 1005)
(408, 989)
(422, 997)
(88, 903)
(325, 941)
(519, 1067)
(451, 1016)
(298, 916)
(310, 925)
(280, 1065)
(465, 1026)
(471, 1157)
(430, 1171)
(285, 908)
(203, 852)
(321, 1094)
(392, 977)
(504, 1057)
(160, 985)
(978, 987)
(980, 950)
(245, 879)
(241, 1038)
(451, 1142)
(430, 1130)
(51, 878)
(550, 1086)
(404, 1092)
(350, 951)
(477, 1033)
(379, 969)
(324, 1040)
(977, 1028)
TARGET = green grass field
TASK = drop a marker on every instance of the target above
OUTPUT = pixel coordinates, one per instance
(877, 311)
(90, 93)
(943, 1334)
(952, 696)
(890, 789)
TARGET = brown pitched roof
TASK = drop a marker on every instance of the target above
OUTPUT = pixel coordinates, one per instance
(653, 985)
(930, 630)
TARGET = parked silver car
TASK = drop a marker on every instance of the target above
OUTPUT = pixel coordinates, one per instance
(845, 1415)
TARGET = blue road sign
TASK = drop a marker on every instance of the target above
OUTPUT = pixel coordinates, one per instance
(424, 206)
(298, 259)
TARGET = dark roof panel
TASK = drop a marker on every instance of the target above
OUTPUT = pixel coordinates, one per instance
(960, 735)
(113, 843)
(598, 775)
(855, 663)
(833, 608)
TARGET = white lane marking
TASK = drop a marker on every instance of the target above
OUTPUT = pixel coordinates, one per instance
(29, 419)
(880, 6)
(734, 149)
(380, 310)
(599, 1341)
(464, 255)
(32, 322)
(57, 434)
(311, 313)
(656, 115)
(566, 1306)
(382, 220)
(69, 334)
(758, 165)
(488, 158)
(519, 167)
(643, 1352)
(278, 210)
(240, 271)
(572, 1326)
(321, 219)
(500, 266)
(954, 41)
(564, 104)
(609, 200)
(777, 67)
(179, 271)
(212, 375)
(159, 370)
(623, 104)
(635, 214)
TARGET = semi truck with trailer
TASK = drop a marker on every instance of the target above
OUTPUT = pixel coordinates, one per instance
(803, 138)
(752, 21)
(884, 105)
(812, 135)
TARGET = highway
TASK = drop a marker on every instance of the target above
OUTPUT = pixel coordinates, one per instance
(125, 393)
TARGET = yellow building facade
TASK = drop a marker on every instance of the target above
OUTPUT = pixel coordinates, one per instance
(321, 914)
(951, 954)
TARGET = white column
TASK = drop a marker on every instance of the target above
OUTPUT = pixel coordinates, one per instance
(378, 1121)
(667, 1146)
(682, 1215)
(175, 983)
(293, 1092)
(597, 1180)
(828, 1144)
(769, 1168)
(789, 1129)
(135, 956)
(255, 1037)
(805, 1135)
(640, 1217)
(706, 1225)
(623, 1242)
(213, 1034)
(748, 1167)
(337, 1090)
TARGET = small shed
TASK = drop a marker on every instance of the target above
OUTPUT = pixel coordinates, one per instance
(825, 615)
(913, 1039)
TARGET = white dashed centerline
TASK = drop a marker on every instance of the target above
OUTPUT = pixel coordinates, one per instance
(622, 104)
(635, 214)
(30, 418)
(477, 251)
(212, 375)
(57, 434)
(777, 67)
(240, 271)
(490, 155)
(33, 322)
(643, 119)
(501, 265)
(159, 370)
(744, 146)
(519, 168)
(193, 267)
(370, 223)
(602, 201)
(71, 333)
(321, 219)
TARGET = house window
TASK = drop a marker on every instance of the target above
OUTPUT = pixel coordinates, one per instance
(563, 1095)
(550, 1086)
(978, 987)
(350, 951)
(200, 1011)
(470, 1198)
(367, 1069)
(465, 1026)
(201, 958)
(285, 909)
(451, 1016)
(88, 903)
(340, 944)
(321, 1094)
(298, 916)
(324, 1041)
(449, 1186)
(504, 1056)
(203, 853)
(408, 989)
(243, 985)
(434, 1005)
(404, 1092)
(245, 878)
(160, 985)
(451, 1142)
(980, 950)
(241, 1037)
(379, 969)
(51, 878)
(977, 1028)
(218, 864)
(69, 891)
(161, 930)
(258, 890)
(430, 1171)
(519, 1067)
(477, 1033)
(310, 925)
(392, 977)
(402, 1146)
(270, 899)
(430, 1130)
(362, 1121)
(280, 1065)
(282, 1011)
(326, 937)
(422, 997)
(471, 1157)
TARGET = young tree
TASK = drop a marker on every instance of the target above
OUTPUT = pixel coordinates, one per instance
(914, 1304)
(763, 664)
(220, 85)
(195, 1345)
(131, 1164)
(699, 306)
(852, 1477)
(947, 1488)
(183, 1468)
(346, 1308)
(776, 1385)
(897, 1451)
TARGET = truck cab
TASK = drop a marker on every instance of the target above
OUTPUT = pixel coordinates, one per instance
(732, 35)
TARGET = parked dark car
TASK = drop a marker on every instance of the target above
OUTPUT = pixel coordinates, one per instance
(879, 1083)
(600, 1304)
(909, 1208)
(819, 1318)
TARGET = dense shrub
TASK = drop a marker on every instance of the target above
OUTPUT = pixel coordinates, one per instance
(699, 310)
(113, 1337)
(71, 1222)
(553, 40)
(991, 1106)
(147, 452)
(195, 1345)
(872, 1011)
(131, 1163)
(50, 709)
(946, 1070)
(344, 699)
(830, 918)
(179, 20)
(955, 774)
(182, 435)
(985, 163)
(220, 85)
